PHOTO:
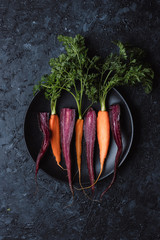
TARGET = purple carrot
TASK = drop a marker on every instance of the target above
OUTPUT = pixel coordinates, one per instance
(114, 113)
(67, 122)
(89, 135)
(43, 119)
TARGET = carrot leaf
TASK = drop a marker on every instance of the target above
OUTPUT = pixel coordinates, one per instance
(54, 82)
(128, 67)
(81, 70)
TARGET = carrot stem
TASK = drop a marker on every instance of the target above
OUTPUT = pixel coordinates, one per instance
(103, 104)
(53, 107)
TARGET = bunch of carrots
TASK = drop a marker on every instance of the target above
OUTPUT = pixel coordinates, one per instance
(75, 72)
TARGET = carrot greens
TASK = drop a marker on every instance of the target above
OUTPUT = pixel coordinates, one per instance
(126, 68)
(81, 70)
(54, 82)
(72, 71)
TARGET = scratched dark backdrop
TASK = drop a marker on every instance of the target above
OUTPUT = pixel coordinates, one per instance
(28, 39)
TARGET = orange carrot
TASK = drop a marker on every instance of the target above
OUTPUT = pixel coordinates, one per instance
(103, 135)
(79, 135)
(55, 137)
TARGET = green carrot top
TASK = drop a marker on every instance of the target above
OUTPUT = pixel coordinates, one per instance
(81, 70)
(77, 73)
(54, 82)
(72, 71)
(128, 67)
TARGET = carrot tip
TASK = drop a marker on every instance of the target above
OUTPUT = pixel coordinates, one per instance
(61, 166)
(71, 188)
(83, 188)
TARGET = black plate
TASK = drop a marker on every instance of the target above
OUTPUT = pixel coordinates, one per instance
(33, 136)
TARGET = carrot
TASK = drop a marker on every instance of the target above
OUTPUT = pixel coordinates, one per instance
(43, 119)
(78, 143)
(67, 122)
(55, 137)
(90, 135)
(103, 135)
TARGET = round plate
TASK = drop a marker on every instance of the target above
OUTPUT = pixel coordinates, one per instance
(33, 136)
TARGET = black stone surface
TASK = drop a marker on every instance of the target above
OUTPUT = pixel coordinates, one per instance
(28, 39)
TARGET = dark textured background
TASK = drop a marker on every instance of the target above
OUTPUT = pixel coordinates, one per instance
(28, 38)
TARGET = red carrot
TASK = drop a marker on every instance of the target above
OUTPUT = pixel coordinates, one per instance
(67, 122)
(89, 135)
(43, 118)
(114, 113)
